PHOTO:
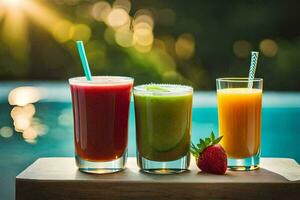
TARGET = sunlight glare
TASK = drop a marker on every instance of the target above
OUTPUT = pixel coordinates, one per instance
(14, 32)
(1, 12)
(21, 123)
(30, 134)
(13, 3)
(61, 31)
(22, 96)
(41, 15)
(15, 27)
(26, 111)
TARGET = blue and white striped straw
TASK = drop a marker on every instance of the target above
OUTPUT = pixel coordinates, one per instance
(253, 64)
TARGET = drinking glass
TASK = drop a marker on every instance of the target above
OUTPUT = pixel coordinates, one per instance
(100, 111)
(163, 127)
(239, 114)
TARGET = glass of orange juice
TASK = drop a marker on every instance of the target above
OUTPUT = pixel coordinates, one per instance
(239, 113)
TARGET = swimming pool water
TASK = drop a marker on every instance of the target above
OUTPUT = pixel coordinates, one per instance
(280, 133)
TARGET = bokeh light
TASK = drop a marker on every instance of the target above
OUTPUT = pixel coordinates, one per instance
(83, 11)
(185, 46)
(101, 10)
(268, 47)
(117, 17)
(22, 116)
(109, 35)
(242, 48)
(6, 131)
(80, 32)
(40, 128)
(30, 134)
(169, 42)
(65, 118)
(142, 48)
(143, 16)
(22, 123)
(124, 38)
(124, 4)
(172, 76)
(159, 44)
(143, 30)
(23, 111)
(22, 96)
(143, 36)
(61, 31)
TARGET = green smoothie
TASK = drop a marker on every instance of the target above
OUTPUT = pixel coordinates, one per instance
(163, 121)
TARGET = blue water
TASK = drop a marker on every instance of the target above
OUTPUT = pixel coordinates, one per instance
(280, 131)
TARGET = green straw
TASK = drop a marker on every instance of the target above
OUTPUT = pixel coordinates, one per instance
(84, 61)
(253, 64)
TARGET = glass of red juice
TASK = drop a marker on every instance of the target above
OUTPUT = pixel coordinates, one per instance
(100, 111)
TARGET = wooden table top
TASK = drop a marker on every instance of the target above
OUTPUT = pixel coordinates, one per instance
(59, 178)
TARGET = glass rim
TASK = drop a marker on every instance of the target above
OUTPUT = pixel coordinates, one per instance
(105, 80)
(184, 89)
(238, 79)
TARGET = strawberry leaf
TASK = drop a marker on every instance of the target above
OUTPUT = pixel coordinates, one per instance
(202, 142)
(197, 149)
(216, 141)
(212, 136)
(207, 141)
(194, 151)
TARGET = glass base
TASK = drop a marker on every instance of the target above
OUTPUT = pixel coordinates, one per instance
(168, 167)
(101, 167)
(245, 164)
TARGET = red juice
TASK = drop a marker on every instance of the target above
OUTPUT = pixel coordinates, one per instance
(101, 109)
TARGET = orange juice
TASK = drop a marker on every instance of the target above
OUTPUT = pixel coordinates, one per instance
(239, 111)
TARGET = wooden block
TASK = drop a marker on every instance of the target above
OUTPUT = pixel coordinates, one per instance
(58, 178)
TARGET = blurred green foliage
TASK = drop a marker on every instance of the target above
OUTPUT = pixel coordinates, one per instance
(223, 33)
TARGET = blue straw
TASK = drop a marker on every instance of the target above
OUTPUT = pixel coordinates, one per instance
(84, 61)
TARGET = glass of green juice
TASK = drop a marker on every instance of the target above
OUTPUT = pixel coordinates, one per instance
(163, 115)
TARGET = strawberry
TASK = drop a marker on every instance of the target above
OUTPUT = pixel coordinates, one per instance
(210, 156)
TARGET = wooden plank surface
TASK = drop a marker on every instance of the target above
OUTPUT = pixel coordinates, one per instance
(58, 178)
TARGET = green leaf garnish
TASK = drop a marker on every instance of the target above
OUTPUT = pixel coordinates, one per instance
(197, 149)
